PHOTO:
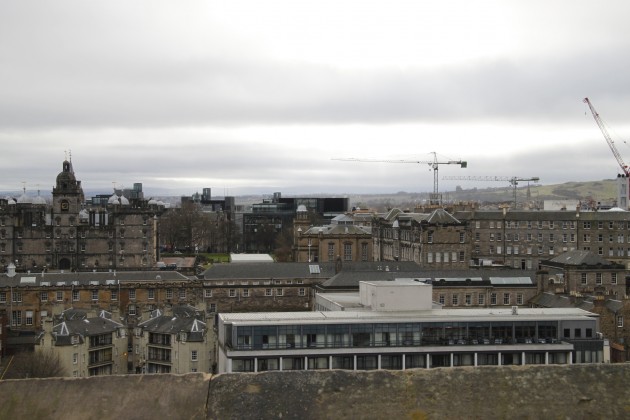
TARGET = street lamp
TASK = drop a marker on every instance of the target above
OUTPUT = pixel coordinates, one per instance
(309, 249)
(297, 243)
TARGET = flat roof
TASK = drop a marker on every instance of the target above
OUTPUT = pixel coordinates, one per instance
(433, 315)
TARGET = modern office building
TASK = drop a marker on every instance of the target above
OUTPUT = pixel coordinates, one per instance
(395, 326)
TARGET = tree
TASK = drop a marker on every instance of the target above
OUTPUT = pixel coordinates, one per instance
(35, 364)
(284, 245)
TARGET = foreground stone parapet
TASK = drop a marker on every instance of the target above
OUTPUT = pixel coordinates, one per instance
(530, 392)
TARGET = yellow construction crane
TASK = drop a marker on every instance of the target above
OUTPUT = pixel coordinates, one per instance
(434, 164)
(514, 180)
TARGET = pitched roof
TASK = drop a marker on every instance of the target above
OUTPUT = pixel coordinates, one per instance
(580, 257)
(274, 270)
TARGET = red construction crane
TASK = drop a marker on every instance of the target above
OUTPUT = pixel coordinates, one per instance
(434, 164)
(609, 140)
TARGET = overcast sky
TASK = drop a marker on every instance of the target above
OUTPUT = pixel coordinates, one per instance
(259, 96)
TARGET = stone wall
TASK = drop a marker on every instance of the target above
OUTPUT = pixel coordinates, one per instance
(568, 392)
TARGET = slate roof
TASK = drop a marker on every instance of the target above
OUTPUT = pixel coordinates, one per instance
(534, 215)
(74, 322)
(87, 278)
(580, 257)
(184, 319)
(331, 230)
(274, 270)
(349, 279)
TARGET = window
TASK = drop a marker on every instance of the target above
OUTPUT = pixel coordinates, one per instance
(583, 278)
(506, 298)
(232, 293)
(28, 317)
(245, 293)
(566, 333)
(268, 292)
(619, 321)
(114, 295)
(481, 299)
(613, 278)
(468, 299)
(347, 252)
(441, 299)
(462, 237)
(169, 293)
(519, 298)
(462, 256)
(132, 293)
(182, 293)
(331, 252)
(455, 300)
(598, 278)
(3, 297)
(43, 296)
(193, 355)
(430, 237)
(279, 292)
(429, 257)
(59, 296)
(16, 318)
(151, 293)
(364, 252)
(75, 295)
(213, 307)
(301, 291)
(493, 298)
(75, 359)
(94, 294)
(132, 310)
(577, 333)
(207, 293)
(16, 296)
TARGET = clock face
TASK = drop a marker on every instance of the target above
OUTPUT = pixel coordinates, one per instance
(64, 205)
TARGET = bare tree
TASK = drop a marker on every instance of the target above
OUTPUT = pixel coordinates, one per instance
(35, 364)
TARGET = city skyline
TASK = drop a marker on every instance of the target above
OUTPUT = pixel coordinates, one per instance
(252, 98)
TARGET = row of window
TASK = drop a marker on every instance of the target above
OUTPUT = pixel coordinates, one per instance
(446, 257)
(469, 299)
(551, 224)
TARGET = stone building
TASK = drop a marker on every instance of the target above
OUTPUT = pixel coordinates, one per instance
(86, 346)
(434, 240)
(523, 239)
(69, 234)
(174, 343)
(341, 239)
(584, 273)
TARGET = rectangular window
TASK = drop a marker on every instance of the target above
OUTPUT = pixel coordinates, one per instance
(151, 293)
(493, 298)
(613, 278)
(468, 298)
(232, 293)
(455, 300)
(481, 299)
(75, 358)
(619, 321)
(182, 293)
(331, 252)
(169, 293)
(94, 295)
(519, 298)
(583, 278)
(441, 299)
(268, 292)
(279, 292)
(193, 355)
(301, 291)
(75, 295)
(245, 292)
(506, 298)
(43, 296)
(598, 278)
(213, 307)
(59, 296)
(16, 296)
(430, 237)
(3, 297)
(28, 317)
(114, 295)
(462, 256)
(132, 293)
(207, 293)
(462, 237)
(347, 252)
(16, 318)
(364, 252)
(132, 310)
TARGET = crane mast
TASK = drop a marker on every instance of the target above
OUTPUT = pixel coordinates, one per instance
(434, 164)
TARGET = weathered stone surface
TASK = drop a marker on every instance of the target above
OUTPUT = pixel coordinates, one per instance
(558, 392)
